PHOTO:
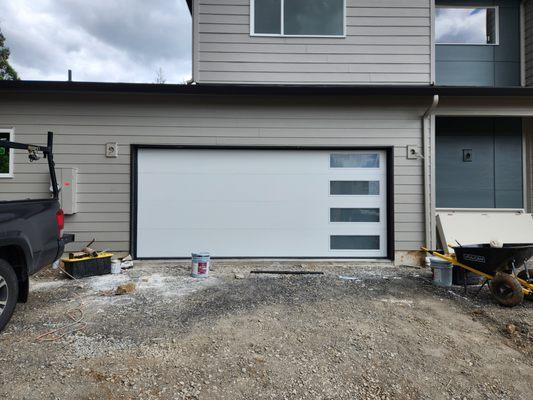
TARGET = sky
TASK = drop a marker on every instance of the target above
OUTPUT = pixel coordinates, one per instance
(459, 25)
(99, 40)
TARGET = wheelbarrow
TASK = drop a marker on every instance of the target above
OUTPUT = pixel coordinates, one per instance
(499, 266)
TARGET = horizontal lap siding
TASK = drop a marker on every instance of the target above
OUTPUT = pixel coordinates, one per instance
(387, 41)
(83, 127)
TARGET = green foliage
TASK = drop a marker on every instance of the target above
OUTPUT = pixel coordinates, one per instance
(7, 73)
(4, 155)
(4, 163)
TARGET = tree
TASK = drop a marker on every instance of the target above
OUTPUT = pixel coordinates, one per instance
(7, 73)
(160, 76)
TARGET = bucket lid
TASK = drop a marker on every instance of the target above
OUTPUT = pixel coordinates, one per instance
(201, 254)
(437, 260)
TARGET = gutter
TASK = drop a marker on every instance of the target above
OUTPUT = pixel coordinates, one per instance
(429, 178)
(201, 89)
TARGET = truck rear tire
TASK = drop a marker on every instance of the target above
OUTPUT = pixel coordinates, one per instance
(507, 290)
(8, 292)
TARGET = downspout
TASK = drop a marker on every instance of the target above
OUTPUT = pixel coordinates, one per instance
(429, 190)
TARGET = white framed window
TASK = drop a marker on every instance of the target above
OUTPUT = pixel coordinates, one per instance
(6, 155)
(317, 18)
(457, 25)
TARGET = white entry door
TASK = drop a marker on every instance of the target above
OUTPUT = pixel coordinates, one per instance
(261, 203)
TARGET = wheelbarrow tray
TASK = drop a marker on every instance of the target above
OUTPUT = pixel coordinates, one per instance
(491, 260)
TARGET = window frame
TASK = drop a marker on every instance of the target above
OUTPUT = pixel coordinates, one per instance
(10, 174)
(470, 7)
(282, 34)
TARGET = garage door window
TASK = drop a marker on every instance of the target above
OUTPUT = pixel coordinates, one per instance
(352, 242)
(354, 215)
(354, 161)
(354, 188)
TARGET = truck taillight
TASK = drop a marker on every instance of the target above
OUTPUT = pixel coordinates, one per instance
(60, 217)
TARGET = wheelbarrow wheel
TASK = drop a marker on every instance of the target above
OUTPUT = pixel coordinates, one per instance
(507, 290)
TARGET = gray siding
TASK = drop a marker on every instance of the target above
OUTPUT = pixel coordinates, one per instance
(528, 22)
(83, 126)
(387, 42)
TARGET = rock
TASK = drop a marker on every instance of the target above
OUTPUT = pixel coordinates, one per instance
(127, 288)
(511, 329)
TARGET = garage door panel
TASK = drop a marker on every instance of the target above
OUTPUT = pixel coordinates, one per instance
(236, 215)
(259, 203)
(224, 162)
(230, 243)
(249, 187)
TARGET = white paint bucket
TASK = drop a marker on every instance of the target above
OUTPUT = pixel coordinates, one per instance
(116, 267)
(442, 271)
(200, 265)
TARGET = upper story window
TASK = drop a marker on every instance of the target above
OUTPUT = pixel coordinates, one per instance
(298, 17)
(466, 25)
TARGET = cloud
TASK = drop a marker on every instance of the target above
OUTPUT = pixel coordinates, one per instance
(462, 25)
(100, 40)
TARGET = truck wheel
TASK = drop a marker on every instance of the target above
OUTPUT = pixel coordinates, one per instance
(8, 293)
(507, 290)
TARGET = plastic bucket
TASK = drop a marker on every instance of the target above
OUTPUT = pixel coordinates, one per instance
(116, 267)
(442, 272)
(200, 265)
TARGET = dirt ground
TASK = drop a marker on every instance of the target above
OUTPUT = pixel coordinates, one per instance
(385, 333)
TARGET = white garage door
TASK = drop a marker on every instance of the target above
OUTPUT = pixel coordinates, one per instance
(261, 203)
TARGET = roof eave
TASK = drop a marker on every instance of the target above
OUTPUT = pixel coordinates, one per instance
(261, 90)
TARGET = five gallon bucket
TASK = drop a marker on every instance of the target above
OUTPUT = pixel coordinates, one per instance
(115, 267)
(200, 265)
(442, 271)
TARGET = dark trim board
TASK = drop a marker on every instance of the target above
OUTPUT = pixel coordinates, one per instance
(208, 89)
(390, 203)
(134, 198)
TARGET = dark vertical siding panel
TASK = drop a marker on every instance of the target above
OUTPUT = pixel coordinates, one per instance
(480, 65)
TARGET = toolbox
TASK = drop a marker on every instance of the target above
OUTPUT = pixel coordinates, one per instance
(88, 266)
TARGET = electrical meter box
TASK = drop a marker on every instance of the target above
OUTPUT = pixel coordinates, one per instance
(67, 179)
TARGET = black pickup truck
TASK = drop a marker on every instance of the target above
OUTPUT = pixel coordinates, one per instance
(31, 235)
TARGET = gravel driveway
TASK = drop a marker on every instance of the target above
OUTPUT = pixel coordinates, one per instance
(385, 333)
